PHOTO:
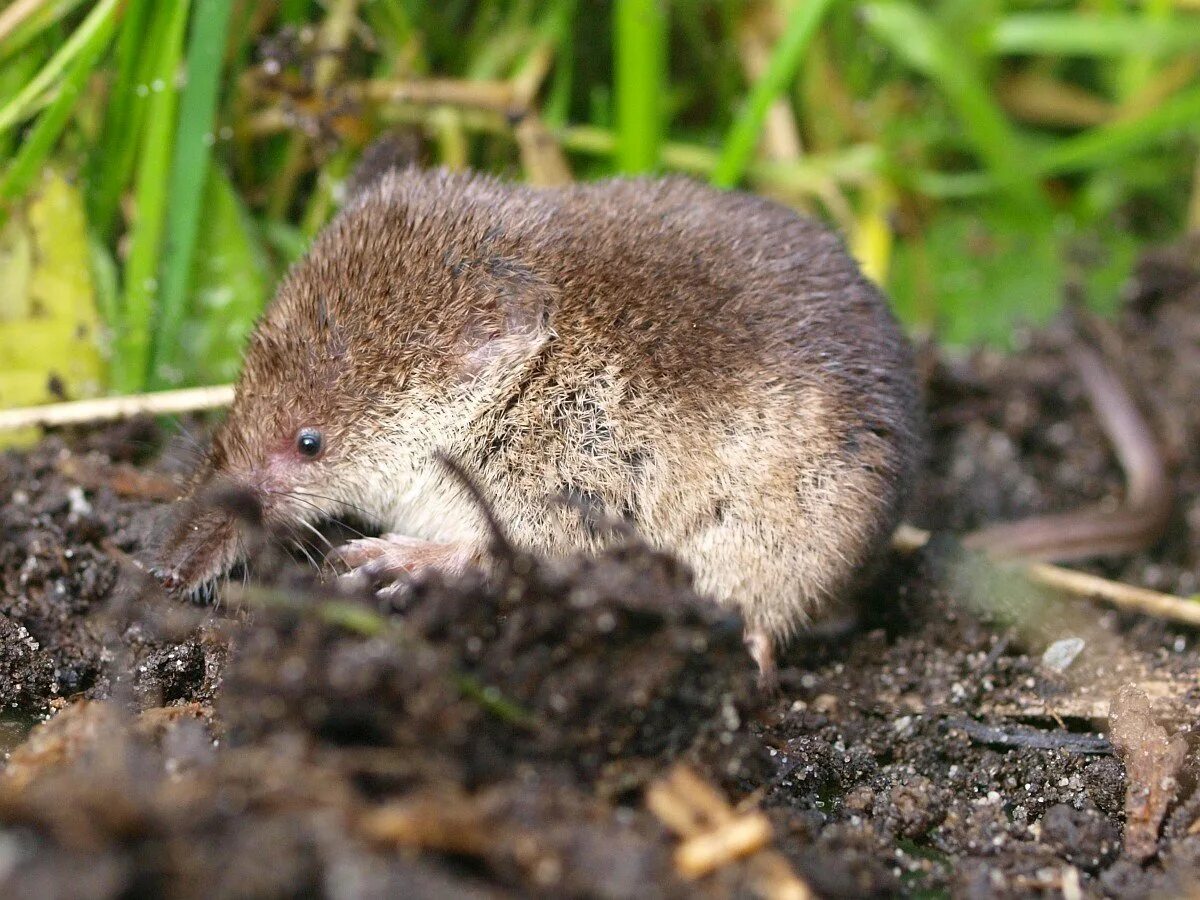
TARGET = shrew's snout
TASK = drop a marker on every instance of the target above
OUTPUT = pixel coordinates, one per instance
(204, 536)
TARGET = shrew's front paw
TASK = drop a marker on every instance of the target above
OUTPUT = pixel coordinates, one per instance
(390, 562)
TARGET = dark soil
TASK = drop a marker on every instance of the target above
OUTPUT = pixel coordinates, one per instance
(497, 739)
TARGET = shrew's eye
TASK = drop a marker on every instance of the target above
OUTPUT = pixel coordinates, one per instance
(309, 442)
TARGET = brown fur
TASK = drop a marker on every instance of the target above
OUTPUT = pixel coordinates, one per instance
(707, 365)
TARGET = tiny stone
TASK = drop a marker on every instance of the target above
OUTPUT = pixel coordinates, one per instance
(1061, 654)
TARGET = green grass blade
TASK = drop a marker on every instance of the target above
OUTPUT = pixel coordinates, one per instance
(107, 282)
(1137, 67)
(131, 361)
(189, 171)
(14, 74)
(110, 167)
(34, 26)
(287, 242)
(390, 24)
(557, 107)
(1072, 34)
(230, 282)
(1100, 147)
(1111, 144)
(20, 106)
(916, 38)
(50, 124)
(742, 138)
(294, 12)
(321, 204)
(640, 82)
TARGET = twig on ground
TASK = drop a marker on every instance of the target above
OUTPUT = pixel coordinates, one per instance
(1125, 596)
(1130, 598)
(710, 850)
(1143, 516)
(715, 835)
(1032, 738)
(107, 409)
(446, 824)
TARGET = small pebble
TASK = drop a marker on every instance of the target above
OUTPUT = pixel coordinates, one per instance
(1061, 654)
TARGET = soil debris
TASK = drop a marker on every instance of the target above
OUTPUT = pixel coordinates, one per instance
(123, 479)
(716, 835)
(1024, 736)
(1152, 765)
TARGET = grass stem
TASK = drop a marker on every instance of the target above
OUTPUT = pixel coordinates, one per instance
(640, 82)
(37, 145)
(20, 106)
(132, 357)
(194, 138)
(742, 138)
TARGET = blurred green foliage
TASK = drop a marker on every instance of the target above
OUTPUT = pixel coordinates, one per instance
(977, 154)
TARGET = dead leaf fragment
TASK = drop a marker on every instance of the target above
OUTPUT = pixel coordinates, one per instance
(1152, 763)
(716, 835)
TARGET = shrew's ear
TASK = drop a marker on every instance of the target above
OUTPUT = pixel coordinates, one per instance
(510, 319)
(392, 151)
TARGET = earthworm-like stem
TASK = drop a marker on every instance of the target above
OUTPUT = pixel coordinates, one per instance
(1095, 531)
